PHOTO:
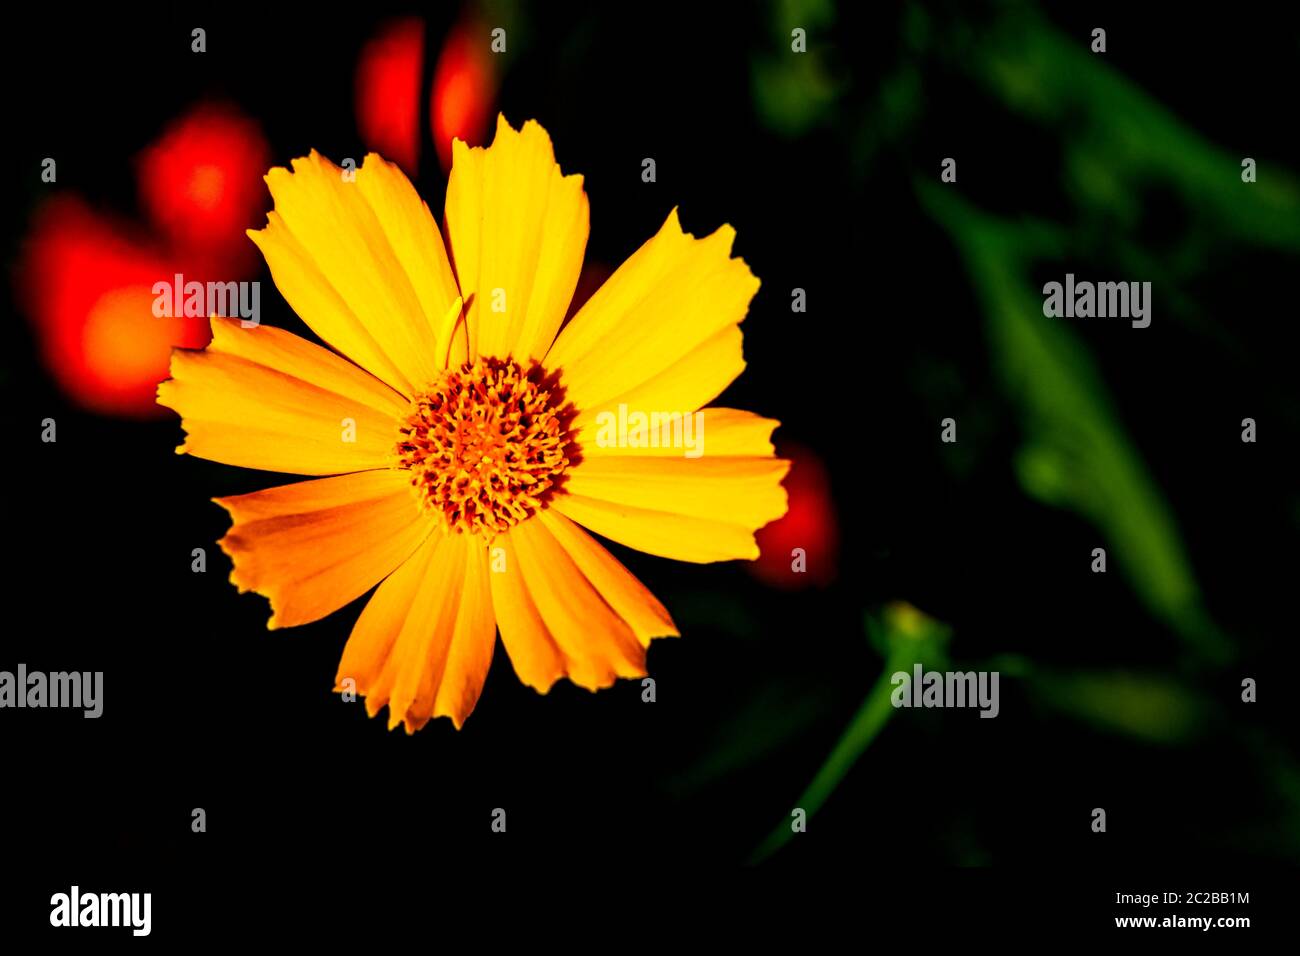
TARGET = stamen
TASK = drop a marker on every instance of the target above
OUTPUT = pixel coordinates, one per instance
(487, 445)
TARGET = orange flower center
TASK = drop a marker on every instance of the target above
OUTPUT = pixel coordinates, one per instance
(487, 445)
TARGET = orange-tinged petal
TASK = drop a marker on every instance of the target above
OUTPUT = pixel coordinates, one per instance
(627, 597)
(673, 295)
(596, 644)
(472, 642)
(362, 262)
(537, 659)
(423, 645)
(518, 230)
(313, 546)
(265, 398)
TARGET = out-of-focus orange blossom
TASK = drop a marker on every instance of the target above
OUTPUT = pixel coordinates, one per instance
(810, 524)
(89, 290)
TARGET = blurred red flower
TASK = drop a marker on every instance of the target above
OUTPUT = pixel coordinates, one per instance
(810, 524)
(87, 280)
(389, 73)
(388, 91)
(201, 185)
(464, 85)
(89, 288)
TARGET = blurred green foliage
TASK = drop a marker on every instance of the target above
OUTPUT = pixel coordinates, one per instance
(1075, 454)
(794, 94)
(1117, 144)
(1120, 138)
(904, 636)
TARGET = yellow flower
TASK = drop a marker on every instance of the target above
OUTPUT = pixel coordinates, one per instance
(457, 423)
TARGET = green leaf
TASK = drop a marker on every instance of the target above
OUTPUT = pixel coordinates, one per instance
(1075, 452)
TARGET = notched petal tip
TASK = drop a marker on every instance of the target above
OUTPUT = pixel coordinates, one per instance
(411, 721)
(608, 682)
(542, 690)
(724, 235)
(232, 547)
(373, 159)
(159, 392)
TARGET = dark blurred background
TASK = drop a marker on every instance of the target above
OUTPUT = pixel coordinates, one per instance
(1119, 690)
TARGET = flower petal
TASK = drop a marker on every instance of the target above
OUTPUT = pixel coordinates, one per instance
(737, 490)
(362, 262)
(688, 509)
(423, 645)
(627, 597)
(688, 384)
(518, 230)
(673, 295)
(414, 236)
(556, 621)
(265, 398)
(719, 432)
(668, 535)
(537, 659)
(313, 546)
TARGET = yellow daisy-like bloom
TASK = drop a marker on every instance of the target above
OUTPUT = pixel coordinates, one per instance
(456, 425)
